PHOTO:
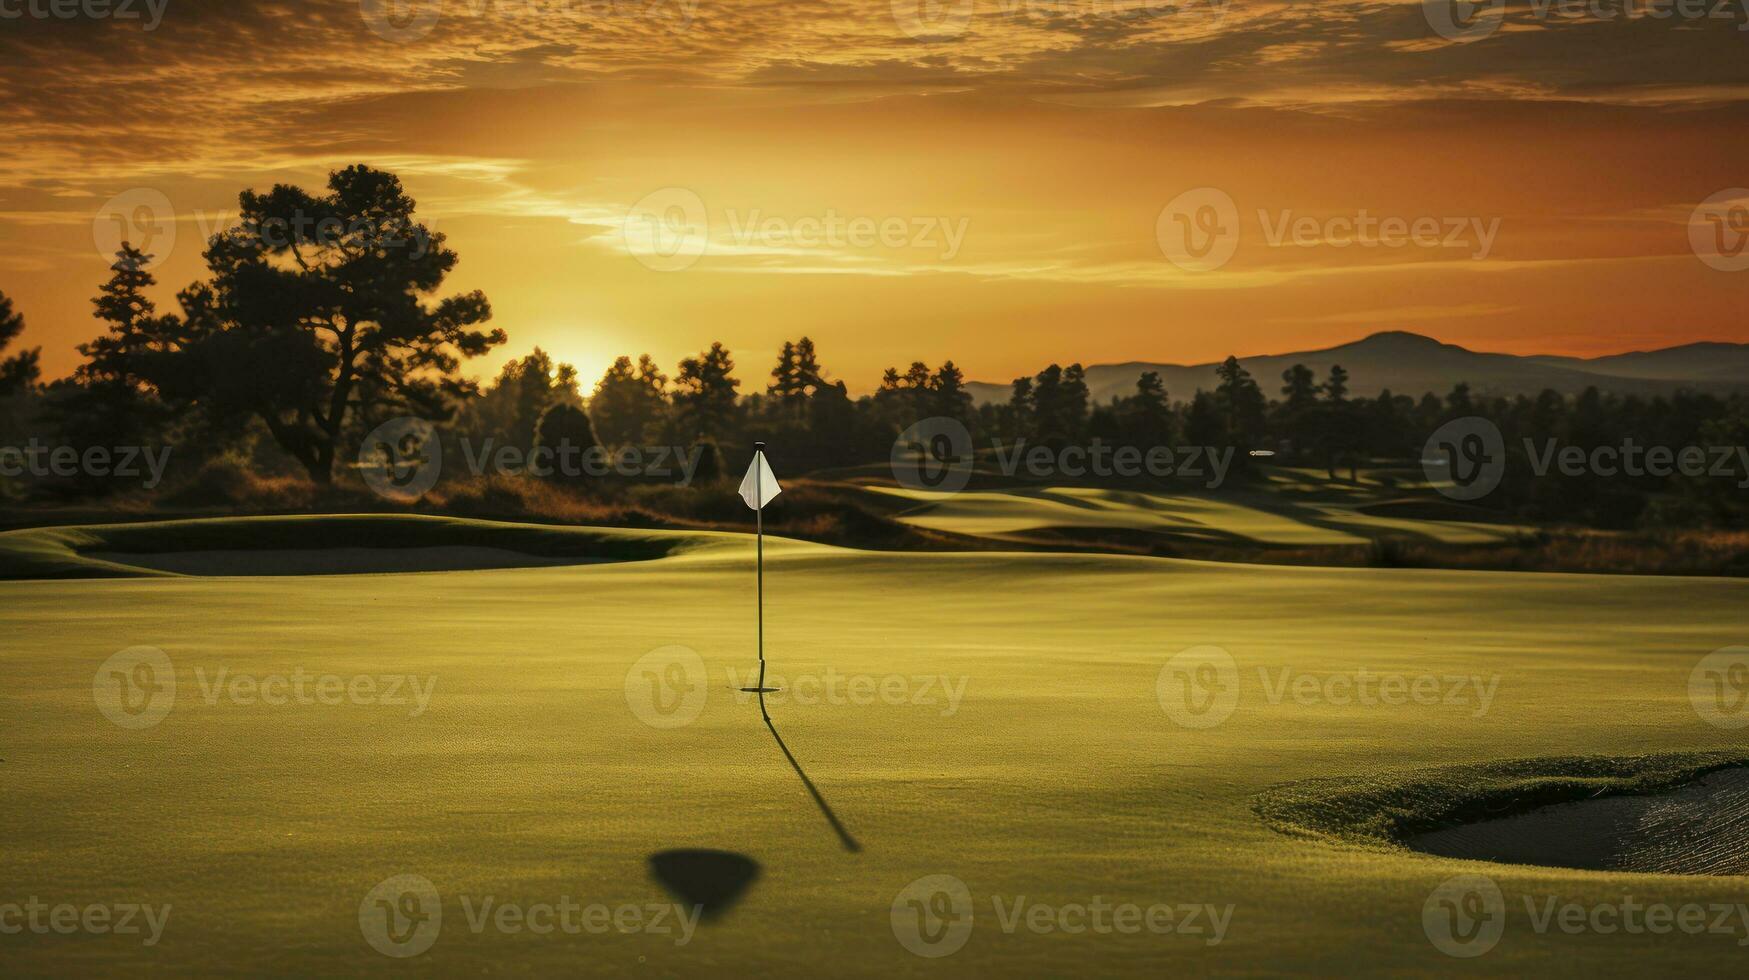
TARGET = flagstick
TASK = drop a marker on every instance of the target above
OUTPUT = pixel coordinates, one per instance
(759, 561)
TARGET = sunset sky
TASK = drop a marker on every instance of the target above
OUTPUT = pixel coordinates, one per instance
(905, 181)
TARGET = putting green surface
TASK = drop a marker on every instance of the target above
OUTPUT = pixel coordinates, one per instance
(997, 718)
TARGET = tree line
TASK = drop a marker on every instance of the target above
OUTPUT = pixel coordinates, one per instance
(316, 322)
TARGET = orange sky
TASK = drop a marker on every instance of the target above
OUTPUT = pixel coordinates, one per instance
(1016, 160)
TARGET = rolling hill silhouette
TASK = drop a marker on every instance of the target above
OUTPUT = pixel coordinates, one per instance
(1412, 364)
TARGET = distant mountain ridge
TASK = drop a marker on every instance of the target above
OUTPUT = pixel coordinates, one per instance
(1413, 364)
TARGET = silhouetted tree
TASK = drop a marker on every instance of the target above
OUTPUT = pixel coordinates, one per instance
(949, 397)
(314, 317)
(1146, 417)
(1241, 404)
(565, 437)
(705, 393)
(510, 407)
(1336, 388)
(19, 371)
(628, 402)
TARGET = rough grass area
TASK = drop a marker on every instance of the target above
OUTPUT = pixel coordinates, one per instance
(55, 553)
(1385, 811)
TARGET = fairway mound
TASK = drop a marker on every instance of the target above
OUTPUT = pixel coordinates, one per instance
(1685, 813)
(328, 545)
(335, 561)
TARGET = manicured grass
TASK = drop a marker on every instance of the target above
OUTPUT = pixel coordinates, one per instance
(1058, 776)
(1254, 517)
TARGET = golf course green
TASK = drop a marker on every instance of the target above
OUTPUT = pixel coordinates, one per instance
(1028, 725)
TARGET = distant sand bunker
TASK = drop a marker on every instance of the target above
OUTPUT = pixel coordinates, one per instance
(335, 561)
(1700, 828)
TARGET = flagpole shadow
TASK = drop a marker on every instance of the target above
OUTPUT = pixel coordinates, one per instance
(849, 842)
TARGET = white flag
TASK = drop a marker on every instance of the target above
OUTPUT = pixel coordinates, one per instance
(767, 489)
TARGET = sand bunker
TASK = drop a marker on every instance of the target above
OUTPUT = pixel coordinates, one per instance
(1699, 828)
(335, 561)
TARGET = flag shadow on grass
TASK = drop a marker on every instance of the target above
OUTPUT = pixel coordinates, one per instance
(711, 881)
(844, 837)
